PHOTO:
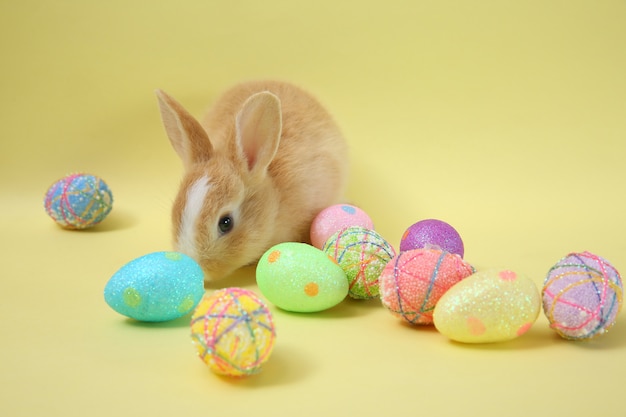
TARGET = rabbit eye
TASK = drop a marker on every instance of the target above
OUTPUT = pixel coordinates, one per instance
(225, 224)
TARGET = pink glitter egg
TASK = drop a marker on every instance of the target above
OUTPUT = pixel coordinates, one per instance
(582, 295)
(334, 218)
(432, 233)
(413, 282)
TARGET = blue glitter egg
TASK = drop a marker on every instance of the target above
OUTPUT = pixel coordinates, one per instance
(160, 286)
(78, 201)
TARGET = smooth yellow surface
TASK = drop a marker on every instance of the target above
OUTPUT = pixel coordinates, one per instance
(506, 119)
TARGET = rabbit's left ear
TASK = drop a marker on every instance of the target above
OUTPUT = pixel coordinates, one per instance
(188, 137)
(258, 130)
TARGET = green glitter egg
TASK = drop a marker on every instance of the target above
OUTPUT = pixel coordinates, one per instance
(160, 286)
(362, 254)
(300, 278)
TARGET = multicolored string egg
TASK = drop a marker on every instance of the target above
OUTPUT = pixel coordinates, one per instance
(233, 332)
(334, 218)
(78, 201)
(413, 282)
(582, 295)
(362, 254)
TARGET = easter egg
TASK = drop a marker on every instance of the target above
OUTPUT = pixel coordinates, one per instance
(413, 282)
(433, 234)
(362, 254)
(78, 201)
(300, 278)
(159, 286)
(582, 295)
(488, 306)
(233, 332)
(334, 218)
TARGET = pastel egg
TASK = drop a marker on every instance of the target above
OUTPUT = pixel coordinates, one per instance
(160, 286)
(362, 254)
(488, 306)
(413, 282)
(233, 332)
(582, 295)
(434, 234)
(334, 218)
(300, 278)
(78, 201)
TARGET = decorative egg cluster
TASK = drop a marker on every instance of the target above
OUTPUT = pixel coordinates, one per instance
(78, 201)
(309, 278)
(426, 283)
(429, 283)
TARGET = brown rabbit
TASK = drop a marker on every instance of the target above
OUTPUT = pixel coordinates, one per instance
(275, 158)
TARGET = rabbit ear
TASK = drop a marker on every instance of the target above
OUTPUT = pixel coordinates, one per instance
(259, 125)
(188, 137)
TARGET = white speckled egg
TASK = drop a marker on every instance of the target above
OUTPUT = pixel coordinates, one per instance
(488, 306)
(160, 286)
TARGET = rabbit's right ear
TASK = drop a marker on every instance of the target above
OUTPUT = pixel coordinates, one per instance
(188, 137)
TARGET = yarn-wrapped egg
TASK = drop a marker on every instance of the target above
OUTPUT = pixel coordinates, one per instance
(159, 286)
(78, 201)
(300, 278)
(582, 295)
(413, 282)
(233, 332)
(362, 254)
(334, 218)
(433, 234)
(488, 306)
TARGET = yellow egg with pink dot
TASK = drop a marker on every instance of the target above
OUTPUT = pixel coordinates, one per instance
(488, 306)
(300, 278)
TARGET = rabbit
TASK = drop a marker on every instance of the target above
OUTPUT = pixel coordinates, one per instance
(264, 161)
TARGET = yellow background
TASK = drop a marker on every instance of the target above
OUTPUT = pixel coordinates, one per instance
(506, 119)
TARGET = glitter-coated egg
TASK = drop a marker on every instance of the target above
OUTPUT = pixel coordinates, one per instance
(362, 254)
(159, 286)
(334, 218)
(582, 295)
(413, 282)
(233, 332)
(488, 306)
(434, 234)
(78, 201)
(301, 278)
